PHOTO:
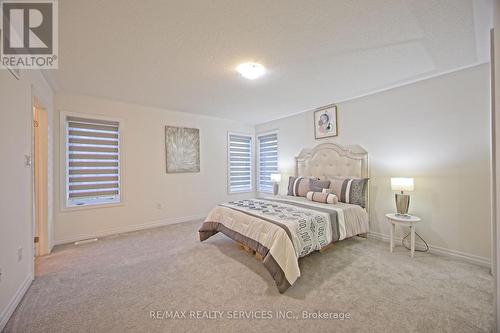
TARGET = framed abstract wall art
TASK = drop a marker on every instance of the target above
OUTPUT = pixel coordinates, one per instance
(182, 147)
(325, 122)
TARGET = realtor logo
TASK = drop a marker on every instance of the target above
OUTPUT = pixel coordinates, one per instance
(29, 34)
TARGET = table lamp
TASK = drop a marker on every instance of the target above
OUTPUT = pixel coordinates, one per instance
(276, 179)
(402, 200)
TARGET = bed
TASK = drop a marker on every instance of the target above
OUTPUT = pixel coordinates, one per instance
(284, 228)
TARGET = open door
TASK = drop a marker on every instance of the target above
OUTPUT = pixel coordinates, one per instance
(40, 170)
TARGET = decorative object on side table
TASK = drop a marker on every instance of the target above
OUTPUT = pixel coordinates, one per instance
(402, 200)
(325, 122)
(276, 179)
(182, 147)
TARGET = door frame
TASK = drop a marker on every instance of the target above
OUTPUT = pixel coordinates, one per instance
(40, 226)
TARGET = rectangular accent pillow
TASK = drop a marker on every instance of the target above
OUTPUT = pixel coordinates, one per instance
(336, 185)
(317, 185)
(299, 186)
(350, 190)
(327, 198)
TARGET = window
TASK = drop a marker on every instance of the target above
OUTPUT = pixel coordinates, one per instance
(240, 163)
(92, 161)
(267, 160)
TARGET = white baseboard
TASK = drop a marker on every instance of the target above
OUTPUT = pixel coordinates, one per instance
(14, 302)
(482, 261)
(128, 228)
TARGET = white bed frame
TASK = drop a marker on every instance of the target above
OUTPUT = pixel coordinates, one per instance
(329, 160)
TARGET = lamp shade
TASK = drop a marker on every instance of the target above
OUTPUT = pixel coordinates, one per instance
(276, 178)
(402, 184)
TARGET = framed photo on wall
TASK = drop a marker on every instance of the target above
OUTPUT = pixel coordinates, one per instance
(325, 122)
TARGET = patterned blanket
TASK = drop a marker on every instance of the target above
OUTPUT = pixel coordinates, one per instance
(281, 231)
(308, 230)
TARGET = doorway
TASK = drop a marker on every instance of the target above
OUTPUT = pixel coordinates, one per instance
(40, 178)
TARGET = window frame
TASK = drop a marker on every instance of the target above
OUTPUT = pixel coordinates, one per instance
(257, 167)
(252, 156)
(63, 157)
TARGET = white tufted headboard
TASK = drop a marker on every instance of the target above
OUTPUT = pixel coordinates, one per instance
(329, 160)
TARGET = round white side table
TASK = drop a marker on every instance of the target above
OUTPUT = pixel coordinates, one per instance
(404, 220)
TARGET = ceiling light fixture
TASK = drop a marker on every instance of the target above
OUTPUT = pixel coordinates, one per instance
(251, 70)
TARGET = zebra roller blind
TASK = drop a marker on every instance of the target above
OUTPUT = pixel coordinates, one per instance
(267, 161)
(240, 163)
(92, 161)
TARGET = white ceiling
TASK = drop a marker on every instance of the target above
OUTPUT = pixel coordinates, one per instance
(181, 55)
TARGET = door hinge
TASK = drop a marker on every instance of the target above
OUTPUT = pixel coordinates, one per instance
(37, 239)
(35, 123)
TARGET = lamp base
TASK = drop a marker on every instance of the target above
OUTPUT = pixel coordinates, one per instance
(276, 187)
(402, 204)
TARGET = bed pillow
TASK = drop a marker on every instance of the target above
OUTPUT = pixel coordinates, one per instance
(327, 198)
(317, 185)
(299, 186)
(350, 190)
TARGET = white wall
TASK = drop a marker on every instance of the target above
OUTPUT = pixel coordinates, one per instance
(145, 181)
(16, 195)
(436, 131)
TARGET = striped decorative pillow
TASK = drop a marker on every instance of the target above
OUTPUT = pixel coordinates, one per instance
(299, 186)
(350, 190)
(328, 198)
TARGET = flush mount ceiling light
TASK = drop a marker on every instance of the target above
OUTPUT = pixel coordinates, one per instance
(251, 70)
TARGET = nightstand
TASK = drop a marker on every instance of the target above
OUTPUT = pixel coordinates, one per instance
(406, 221)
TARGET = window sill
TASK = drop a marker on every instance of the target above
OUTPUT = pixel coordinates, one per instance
(266, 192)
(240, 192)
(88, 207)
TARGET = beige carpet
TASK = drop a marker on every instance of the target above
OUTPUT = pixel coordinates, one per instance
(114, 284)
